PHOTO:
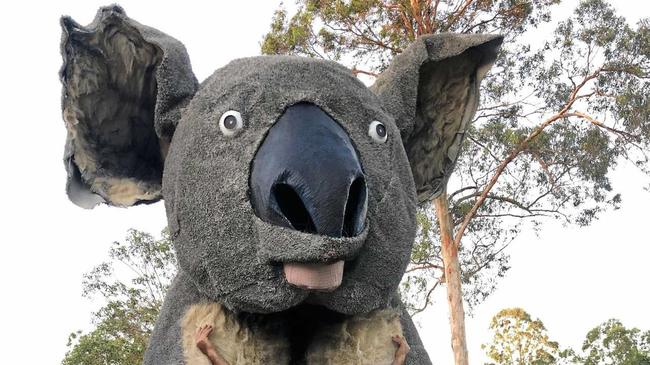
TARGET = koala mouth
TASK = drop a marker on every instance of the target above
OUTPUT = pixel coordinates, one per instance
(314, 276)
(309, 261)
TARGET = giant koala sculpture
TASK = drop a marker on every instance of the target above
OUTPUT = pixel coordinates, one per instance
(290, 187)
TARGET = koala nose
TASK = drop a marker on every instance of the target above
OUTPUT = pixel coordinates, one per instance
(306, 175)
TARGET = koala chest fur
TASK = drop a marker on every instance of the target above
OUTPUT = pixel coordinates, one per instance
(297, 337)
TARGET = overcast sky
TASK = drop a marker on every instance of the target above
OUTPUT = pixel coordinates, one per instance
(573, 279)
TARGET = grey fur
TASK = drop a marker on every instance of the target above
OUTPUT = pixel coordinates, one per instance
(432, 90)
(418, 354)
(226, 254)
(165, 343)
(206, 187)
(109, 90)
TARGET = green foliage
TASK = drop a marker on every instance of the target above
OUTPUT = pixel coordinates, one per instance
(370, 32)
(520, 340)
(613, 344)
(123, 325)
(594, 62)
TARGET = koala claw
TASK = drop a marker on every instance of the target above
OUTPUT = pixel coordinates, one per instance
(403, 348)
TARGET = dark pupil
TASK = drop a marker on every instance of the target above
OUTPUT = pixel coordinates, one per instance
(381, 130)
(230, 122)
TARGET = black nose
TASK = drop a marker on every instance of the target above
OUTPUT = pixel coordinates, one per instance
(306, 175)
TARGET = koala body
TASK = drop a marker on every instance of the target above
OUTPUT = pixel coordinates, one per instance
(279, 174)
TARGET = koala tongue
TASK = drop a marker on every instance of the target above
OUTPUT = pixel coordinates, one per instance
(314, 276)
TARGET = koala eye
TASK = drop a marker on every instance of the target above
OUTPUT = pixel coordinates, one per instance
(230, 122)
(377, 131)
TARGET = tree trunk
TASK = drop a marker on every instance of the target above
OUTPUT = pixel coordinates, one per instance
(452, 278)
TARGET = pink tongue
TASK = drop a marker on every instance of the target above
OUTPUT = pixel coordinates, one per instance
(314, 276)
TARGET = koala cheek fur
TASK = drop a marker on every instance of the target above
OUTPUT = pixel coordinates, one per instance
(139, 133)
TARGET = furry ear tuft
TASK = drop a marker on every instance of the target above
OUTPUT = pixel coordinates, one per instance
(124, 85)
(432, 91)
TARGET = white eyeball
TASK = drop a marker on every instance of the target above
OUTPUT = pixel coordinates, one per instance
(230, 122)
(377, 131)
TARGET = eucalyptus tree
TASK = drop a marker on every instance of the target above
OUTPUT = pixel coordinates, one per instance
(518, 339)
(132, 284)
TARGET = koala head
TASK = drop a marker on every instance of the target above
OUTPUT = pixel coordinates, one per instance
(285, 179)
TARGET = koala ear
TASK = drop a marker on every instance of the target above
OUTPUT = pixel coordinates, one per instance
(432, 90)
(124, 85)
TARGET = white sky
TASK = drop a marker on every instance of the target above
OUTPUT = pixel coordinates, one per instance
(573, 279)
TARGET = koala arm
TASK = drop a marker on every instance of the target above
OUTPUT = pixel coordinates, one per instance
(165, 342)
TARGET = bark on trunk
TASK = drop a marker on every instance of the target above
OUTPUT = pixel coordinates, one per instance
(452, 278)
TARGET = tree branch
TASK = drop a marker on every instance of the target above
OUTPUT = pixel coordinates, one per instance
(356, 72)
(595, 122)
(426, 299)
(562, 114)
(424, 267)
